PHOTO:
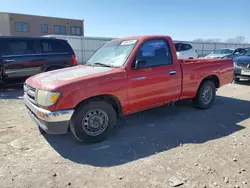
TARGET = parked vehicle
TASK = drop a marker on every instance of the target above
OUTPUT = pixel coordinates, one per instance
(242, 67)
(226, 52)
(124, 76)
(21, 57)
(185, 51)
(238, 52)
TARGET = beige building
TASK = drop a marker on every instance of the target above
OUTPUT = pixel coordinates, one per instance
(34, 26)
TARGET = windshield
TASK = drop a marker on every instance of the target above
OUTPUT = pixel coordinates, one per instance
(247, 53)
(223, 51)
(113, 53)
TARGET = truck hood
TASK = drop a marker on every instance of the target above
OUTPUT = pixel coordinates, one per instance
(54, 79)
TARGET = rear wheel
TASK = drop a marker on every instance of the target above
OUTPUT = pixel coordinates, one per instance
(93, 122)
(205, 95)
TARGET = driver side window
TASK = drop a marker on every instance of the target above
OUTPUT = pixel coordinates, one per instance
(155, 52)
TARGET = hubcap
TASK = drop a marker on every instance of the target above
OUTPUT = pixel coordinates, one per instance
(95, 122)
(207, 95)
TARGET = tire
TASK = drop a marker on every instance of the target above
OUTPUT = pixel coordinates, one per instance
(99, 113)
(205, 102)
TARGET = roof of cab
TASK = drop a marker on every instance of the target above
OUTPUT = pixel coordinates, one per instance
(142, 37)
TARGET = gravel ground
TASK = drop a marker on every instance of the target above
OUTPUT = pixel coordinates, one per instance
(162, 147)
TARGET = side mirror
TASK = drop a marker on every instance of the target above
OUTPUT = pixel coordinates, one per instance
(140, 64)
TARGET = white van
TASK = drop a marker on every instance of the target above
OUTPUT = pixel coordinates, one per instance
(185, 51)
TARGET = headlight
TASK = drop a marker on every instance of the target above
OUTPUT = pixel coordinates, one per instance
(47, 98)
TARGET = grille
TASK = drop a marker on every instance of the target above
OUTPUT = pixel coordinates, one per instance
(30, 92)
(244, 65)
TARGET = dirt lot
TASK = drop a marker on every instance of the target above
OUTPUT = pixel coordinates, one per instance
(208, 148)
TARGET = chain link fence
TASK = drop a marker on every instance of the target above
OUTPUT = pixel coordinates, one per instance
(84, 47)
(205, 48)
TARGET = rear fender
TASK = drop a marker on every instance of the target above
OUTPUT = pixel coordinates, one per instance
(212, 77)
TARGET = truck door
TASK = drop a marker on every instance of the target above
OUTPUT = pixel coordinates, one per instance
(159, 81)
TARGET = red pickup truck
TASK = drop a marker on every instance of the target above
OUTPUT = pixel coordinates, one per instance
(124, 76)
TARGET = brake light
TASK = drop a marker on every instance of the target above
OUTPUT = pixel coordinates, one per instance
(74, 58)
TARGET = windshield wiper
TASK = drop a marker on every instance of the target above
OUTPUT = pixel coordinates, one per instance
(87, 63)
(102, 64)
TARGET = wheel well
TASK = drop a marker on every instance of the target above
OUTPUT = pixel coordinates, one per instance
(114, 101)
(212, 78)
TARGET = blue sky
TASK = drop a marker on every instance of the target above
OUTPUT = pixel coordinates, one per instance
(181, 19)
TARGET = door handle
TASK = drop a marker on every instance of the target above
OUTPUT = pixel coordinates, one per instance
(9, 60)
(140, 78)
(172, 72)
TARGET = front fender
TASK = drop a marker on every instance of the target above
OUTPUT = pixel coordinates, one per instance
(72, 98)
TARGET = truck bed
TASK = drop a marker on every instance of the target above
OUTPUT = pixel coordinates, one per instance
(195, 70)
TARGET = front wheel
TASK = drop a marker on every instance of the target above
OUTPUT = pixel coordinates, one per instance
(93, 122)
(205, 95)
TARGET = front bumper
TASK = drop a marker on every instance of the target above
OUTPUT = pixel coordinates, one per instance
(56, 122)
(237, 73)
(241, 76)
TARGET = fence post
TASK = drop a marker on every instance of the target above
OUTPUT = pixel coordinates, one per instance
(82, 50)
(202, 49)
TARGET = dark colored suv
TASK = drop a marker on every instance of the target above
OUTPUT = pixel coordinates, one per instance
(21, 57)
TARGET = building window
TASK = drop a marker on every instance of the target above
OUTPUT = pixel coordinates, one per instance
(60, 29)
(44, 28)
(22, 27)
(76, 30)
